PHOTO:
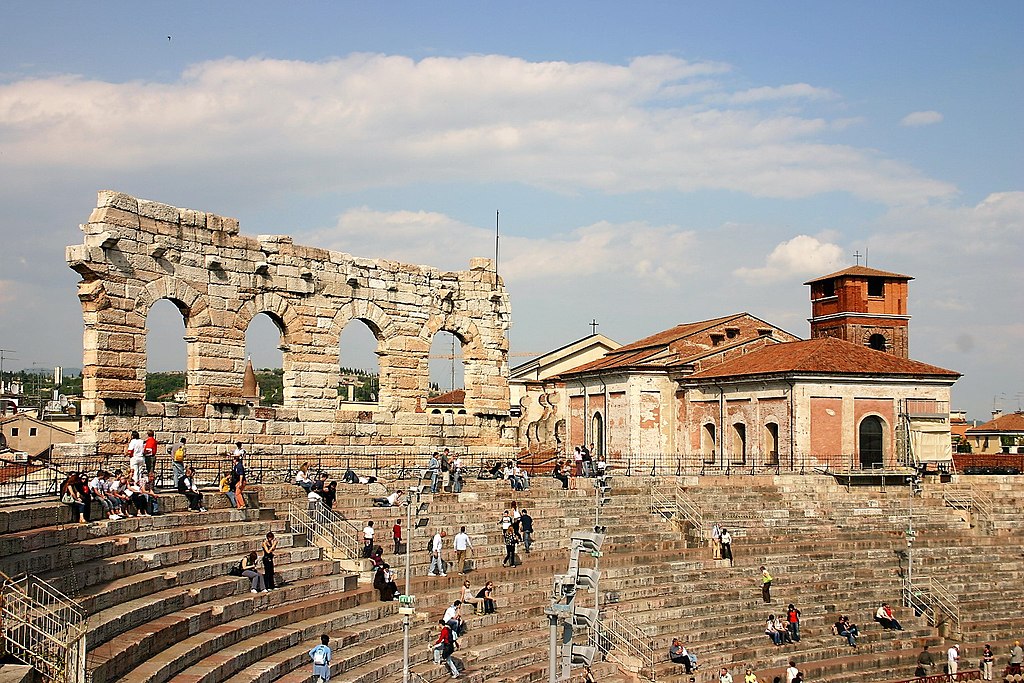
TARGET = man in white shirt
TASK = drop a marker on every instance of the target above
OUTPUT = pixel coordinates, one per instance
(953, 659)
(791, 672)
(368, 539)
(136, 456)
(436, 563)
(462, 546)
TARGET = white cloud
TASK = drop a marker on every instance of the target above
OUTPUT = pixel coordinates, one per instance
(800, 255)
(370, 120)
(792, 91)
(921, 118)
(648, 253)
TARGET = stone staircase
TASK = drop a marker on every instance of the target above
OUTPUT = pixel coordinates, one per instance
(162, 607)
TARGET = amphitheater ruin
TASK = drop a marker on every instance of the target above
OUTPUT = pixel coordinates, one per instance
(151, 599)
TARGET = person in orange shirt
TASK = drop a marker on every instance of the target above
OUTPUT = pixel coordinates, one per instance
(149, 451)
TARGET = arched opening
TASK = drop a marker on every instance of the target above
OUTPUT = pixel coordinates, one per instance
(707, 442)
(877, 342)
(447, 366)
(739, 444)
(264, 339)
(166, 353)
(559, 434)
(359, 379)
(872, 442)
(771, 443)
(597, 433)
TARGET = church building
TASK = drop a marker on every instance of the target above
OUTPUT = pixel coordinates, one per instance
(739, 392)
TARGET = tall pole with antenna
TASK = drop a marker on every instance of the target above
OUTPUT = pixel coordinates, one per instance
(2, 352)
(497, 215)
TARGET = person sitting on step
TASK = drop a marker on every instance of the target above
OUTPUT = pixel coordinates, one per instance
(885, 617)
(250, 572)
(844, 628)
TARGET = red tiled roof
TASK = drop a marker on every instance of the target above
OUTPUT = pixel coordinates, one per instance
(860, 271)
(675, 333)
(1011, 422)
(452, 398)
(825, 355)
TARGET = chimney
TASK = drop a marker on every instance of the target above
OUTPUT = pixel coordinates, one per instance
(997, 413)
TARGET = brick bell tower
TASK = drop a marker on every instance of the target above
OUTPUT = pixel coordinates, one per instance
(863, 306)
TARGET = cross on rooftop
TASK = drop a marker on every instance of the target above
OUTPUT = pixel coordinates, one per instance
(593, 326)
(857, 255)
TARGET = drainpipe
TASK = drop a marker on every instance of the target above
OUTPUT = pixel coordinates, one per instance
(583, 386)
(721, 425)
(604, 423)
(792, 457)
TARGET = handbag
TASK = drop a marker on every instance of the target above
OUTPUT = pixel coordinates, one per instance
(67, 498)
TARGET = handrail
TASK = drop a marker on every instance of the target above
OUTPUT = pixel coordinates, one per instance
(617, 631)
(925, 595)
(44, 628)
(326, 529)
(969, 499)
(680, 505)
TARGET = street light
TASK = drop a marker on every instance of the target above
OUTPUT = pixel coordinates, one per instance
(407, 602)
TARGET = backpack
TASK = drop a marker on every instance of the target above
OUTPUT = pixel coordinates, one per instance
(320, 655)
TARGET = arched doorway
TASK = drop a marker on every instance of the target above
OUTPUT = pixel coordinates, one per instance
(771, 443)
(707, 442)
(872, 442)
(597, 433)
(739, 444)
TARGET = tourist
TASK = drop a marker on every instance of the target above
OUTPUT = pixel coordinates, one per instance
(467, 597)
(787, 639)
(558, 473)
(588, 675)
(113, 489)
(330, 494)
(766, 585)
(884, 616)
(844, 628)
(486, 595)
(772, 631)
(601, 464)
(436, 548)
(678, 654)
(750, 676)
(516, 515)
(396, 535)
(239, 451)
(953, 660)
(228, 490)
(462, 546)
(577, 457)
(378, 557)
(510, 538)
(149, 448)
(587, 469)
(456, 474)
(453, 617)
(792, 672)
(178, 462)
(384, 583)
(147, 490)
(434, 472)
(72, 495)
(716, 541)
(187, 487)
(447, 645)
(96, 486)
(302, 477)
(726, 540)
(269, 547)
(526, 528)
(1016, 658)
(925, 662)
(249, 571)
(321, 658)
(518, 479)
(238, 476)
(368, 539)
(988, 659)
(133, 489)
(724, 676)
(390, 500)
(136, 459)
(793, 622)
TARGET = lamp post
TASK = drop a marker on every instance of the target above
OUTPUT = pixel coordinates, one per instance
(407, 611)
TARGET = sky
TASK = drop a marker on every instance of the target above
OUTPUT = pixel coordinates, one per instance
(653, 163)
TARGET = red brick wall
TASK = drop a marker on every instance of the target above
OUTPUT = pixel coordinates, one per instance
(576, 422)
(826, 428)
(884, 408)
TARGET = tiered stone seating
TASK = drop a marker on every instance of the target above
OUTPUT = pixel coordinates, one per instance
(163, 608)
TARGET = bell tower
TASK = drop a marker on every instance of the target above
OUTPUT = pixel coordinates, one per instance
(863, 306)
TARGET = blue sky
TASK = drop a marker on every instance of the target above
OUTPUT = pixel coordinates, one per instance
(653, 163)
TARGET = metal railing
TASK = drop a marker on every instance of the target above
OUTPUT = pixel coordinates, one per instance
(28, 479)
(661, 464)
(44, 628)
(326, 529)
(969, 499)
(677, 504)
(940, 606)
(620, 638)
(973, 675)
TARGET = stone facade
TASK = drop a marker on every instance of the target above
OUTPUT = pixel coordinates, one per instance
(136, 252)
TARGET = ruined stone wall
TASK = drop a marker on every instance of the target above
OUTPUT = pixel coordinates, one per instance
(136, 252)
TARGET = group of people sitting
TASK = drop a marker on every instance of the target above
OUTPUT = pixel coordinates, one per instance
(453, 626)
(321, 488)
(784, 632)
(580, 465)
(119, 494)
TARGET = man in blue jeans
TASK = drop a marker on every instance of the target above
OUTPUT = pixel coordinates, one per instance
(526, 529)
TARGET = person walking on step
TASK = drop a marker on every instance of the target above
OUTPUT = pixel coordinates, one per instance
(269, 547)
(447, 644)
(766, 585)
(510, 538)
(925, 662)
(321, 658)
(726, 541)
(178, 461)
(716, 541)
(462, 546)
(238, 476)
(396, 535)
(368, 539)
(792, 672)
(436, 548)
(526, 529)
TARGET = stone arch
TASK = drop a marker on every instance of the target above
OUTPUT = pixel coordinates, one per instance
(872, 441)
(473, 353)
(279, 310)
(379, 322)
(191, 302)
(463, 328)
